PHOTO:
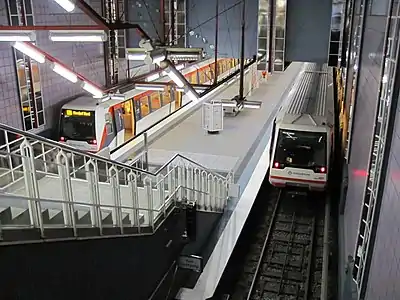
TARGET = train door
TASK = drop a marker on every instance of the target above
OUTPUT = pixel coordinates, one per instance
(178, 100)
(129, 119)
(109, 133)
(119, 125)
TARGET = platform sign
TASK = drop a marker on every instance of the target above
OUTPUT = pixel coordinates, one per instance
(191, 262)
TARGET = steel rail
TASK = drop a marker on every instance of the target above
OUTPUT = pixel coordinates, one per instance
(267, 239)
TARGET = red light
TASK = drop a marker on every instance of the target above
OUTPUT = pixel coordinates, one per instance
(94, 142)
(62, 139)
(276, 165)
(322, 169)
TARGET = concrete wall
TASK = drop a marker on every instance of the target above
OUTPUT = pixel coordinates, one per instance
(147, 15)
(229, 34)
(364, 116)
(307, 30)
(10, 107)
(113, 268)
(384, 273)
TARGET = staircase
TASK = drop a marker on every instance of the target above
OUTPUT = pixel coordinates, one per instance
(52, 191)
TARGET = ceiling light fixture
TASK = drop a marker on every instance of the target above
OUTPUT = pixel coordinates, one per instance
(20, 36)
(66, 4)
(30, 51)
(149, 87)
(64, 72)
(153, 77)
(192, 96)
(95, 91)
(78, 36)
(175, 78)
(136, 56)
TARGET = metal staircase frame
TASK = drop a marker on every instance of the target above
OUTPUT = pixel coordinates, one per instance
(140, 200)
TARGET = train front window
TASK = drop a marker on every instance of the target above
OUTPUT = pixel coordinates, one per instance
(301, 149)
(77, 125)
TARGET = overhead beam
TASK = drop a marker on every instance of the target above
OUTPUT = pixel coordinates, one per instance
(92, 14)
(123, 25)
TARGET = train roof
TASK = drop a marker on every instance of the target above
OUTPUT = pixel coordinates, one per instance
(310, 100)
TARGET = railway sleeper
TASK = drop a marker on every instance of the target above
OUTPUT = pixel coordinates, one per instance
(284, 289)
(298, 241)
(292, 263)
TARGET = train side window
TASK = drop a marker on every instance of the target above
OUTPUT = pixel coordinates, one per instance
(109, 127)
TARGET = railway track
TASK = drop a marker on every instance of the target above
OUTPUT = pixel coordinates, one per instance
(286, 257)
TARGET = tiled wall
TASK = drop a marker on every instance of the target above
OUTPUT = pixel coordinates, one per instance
(366, 101)
(84, 58)
(10, 110)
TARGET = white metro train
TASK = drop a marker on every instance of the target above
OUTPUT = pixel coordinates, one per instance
(91, 124)
(303, 134)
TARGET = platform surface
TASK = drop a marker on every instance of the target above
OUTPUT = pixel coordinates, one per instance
(231, 148)
(243, 136)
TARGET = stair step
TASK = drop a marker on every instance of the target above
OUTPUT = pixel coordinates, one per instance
(125, 219)
(82, 217)
(53, 216)
(106, 217)
(20, 216)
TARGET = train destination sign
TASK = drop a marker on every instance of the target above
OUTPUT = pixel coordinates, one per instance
(78, 113)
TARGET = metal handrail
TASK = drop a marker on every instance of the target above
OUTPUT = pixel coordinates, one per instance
(178, 155)
(72, 149)
(103, 159)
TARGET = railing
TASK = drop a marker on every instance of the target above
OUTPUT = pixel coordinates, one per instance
(86, 190)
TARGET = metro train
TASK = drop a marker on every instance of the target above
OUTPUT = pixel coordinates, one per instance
(91, 125)
(302, 143)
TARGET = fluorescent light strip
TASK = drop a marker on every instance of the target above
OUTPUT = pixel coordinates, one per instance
(251, 106)
(64, 72)
(96, 92)
(118, 97)
(153, 77)
(157, 60)
(149, 87)
(77, 38)
(192, 96)
(29, 51)
(175, 78)
(178, 67)
(136, 56)
(66, 4)
(15, 38)
(21, 36)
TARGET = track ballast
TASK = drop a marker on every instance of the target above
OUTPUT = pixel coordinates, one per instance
(285, 259)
